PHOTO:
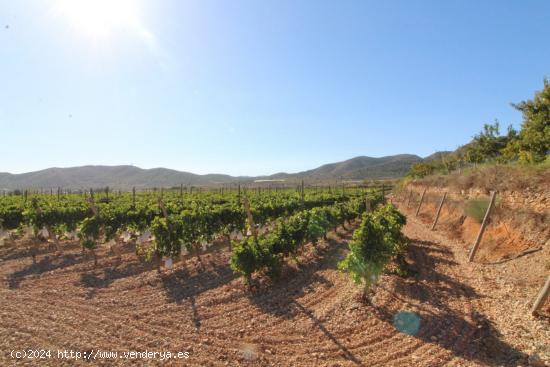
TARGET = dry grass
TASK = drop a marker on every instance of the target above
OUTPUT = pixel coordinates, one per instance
(491, 177)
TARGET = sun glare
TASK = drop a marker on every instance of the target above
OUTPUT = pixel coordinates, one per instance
(100, 19)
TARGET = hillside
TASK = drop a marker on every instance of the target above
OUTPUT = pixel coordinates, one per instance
(124, 177)
(112, 176)
(360, 168)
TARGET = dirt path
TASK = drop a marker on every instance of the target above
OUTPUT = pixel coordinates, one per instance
(311, 317)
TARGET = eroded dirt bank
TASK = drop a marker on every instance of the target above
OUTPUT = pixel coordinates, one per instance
(519, 222)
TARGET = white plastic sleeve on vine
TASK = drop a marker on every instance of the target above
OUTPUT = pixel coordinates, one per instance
(126, 236)
(144, 237)
(44, 232)
(168, 263)
(139, 241)
(27, 231)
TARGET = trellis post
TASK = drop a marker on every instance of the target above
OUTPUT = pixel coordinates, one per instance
(439, 210)
(420, 203)
(541, 299)
(482, 228)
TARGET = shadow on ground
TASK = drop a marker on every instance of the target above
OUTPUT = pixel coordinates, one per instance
(186, 283)
(44, 265)
(281, 298)
(103, 277)
(465, 333)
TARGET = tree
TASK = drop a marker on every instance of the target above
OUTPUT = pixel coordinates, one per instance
(421, 169)
(474, 154)
(511, 151)
(535, 130)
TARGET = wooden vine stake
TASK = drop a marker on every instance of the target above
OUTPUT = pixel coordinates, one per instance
(439, 210)
(542, 297)
(96, 213)
(420, 203)
(163, 210)
(249, 217)
(169, 225)
(239, 194)
(483, 225)
(409, 200)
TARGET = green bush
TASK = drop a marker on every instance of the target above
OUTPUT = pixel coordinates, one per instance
(377, 240)
(89, 232)
(246, 257)
(167, 237)
(476, 208)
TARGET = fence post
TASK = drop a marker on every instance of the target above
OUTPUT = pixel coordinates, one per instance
(439, 210)
(420, 203)
(483, 225)
(543, 295)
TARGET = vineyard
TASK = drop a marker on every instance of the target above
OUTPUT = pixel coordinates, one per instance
(305, 277)
(262, 229)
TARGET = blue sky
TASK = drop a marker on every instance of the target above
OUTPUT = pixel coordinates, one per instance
(258, 87)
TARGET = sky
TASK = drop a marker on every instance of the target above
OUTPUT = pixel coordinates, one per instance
(258, 87)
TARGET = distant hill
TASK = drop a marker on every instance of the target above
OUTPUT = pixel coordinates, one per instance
(438, 155)
(124, 177)
(358, 168)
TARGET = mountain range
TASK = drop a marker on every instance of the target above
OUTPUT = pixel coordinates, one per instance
(125, 177)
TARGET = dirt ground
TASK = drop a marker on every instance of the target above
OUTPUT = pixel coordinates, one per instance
(457, 313)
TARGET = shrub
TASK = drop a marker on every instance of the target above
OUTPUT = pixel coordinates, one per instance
(255, 254)
(476, 208)
(245, 257)
(377, 240)
(167, 241)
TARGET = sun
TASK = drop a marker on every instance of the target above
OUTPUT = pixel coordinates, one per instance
(100, 19)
